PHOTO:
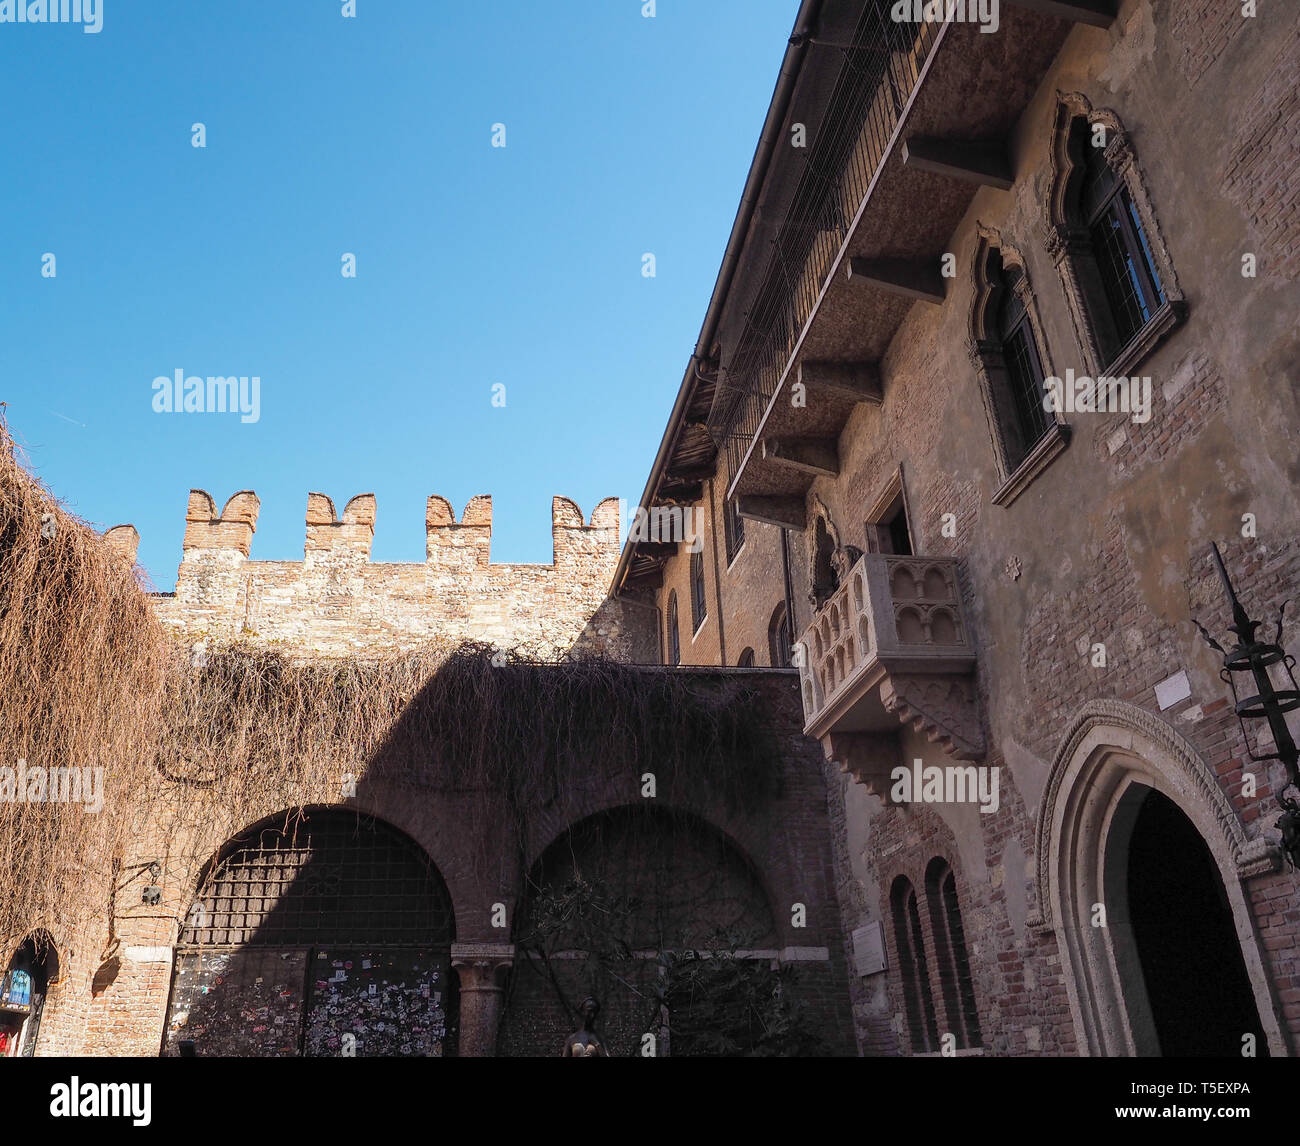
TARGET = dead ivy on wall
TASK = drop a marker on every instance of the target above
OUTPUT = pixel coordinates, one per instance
(194, 748)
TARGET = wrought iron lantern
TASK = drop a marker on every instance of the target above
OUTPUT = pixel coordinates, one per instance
(152, 894)
(1246, 670)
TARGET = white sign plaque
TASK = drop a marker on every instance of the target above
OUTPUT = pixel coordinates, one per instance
(869, 949)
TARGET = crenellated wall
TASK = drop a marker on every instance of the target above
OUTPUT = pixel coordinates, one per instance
(337, 602)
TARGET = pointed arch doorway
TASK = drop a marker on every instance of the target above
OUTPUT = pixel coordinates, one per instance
(1188, 992)
(1141, 863)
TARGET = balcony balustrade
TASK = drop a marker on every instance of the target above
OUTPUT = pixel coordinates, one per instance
(892, 644)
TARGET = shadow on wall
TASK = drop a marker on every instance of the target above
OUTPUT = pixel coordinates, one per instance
(322, 933)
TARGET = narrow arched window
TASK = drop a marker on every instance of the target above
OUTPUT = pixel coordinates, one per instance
(1023, 365)
(734, 529)
(1011, 357)
(951, 955)
(746, 660)
(779, 639)
(918, 1002)
(698, 608)
(674, 640)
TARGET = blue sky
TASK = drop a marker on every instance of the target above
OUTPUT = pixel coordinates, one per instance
(476, 265)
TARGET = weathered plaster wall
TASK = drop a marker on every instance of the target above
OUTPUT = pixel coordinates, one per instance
(1109, 545)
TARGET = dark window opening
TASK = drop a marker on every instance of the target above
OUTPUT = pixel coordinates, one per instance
(735, 530)
(891, 534)
(698, 608)
(1023, 366)
(954, 960)
(674, 636)
(1131, 287)
(780, 642)
(922, 1023)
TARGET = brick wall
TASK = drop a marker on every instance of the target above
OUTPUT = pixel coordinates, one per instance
(113, 995)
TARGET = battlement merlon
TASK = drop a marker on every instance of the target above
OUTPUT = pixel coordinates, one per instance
(125, 540)
(349, 536)
(227, 537)
(232, 529)
(576, 542)
(464, 543)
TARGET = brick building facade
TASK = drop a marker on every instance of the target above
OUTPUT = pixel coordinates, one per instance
(977, 581)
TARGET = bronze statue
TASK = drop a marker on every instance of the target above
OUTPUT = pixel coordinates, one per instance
(584, 1042)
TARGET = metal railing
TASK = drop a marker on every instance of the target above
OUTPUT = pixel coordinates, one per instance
(880, 72)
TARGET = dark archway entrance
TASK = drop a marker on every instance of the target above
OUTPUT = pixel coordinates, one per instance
(1197, 989)
(23, 987)
(321, 933)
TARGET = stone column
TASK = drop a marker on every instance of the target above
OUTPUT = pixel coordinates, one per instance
(481, 968)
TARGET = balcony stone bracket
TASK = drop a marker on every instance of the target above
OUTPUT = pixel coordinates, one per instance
(944, 708)
(869, 757)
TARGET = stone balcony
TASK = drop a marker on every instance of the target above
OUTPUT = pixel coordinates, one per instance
(891, 646)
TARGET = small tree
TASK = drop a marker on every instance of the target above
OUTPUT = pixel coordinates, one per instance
(720, 1004)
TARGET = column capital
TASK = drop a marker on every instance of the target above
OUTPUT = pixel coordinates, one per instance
(482, 966)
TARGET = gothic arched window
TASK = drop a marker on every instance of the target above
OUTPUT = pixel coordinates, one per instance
(1128, 277)
(918, 1002)
(1009, 352)
(698, 608)
(673, 634)
(1103, 235)
(734, 528)
(951, 955)
(779, 639)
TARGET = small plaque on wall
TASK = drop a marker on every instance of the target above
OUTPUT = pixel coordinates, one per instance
(869, 949)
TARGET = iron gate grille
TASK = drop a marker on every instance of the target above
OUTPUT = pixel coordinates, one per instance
(327, 879)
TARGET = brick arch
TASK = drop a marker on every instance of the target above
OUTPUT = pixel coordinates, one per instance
(733, 834)
(1108, 727)
(435, 823)
(274, 820)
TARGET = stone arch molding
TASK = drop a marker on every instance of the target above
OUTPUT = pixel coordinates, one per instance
(1111, 733)
(982, 289)
(1110, 750)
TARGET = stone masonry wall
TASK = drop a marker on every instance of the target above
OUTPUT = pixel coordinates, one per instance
(337, 602)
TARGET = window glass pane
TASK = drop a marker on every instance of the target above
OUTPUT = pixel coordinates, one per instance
(1119, 274)
(1026, 378)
